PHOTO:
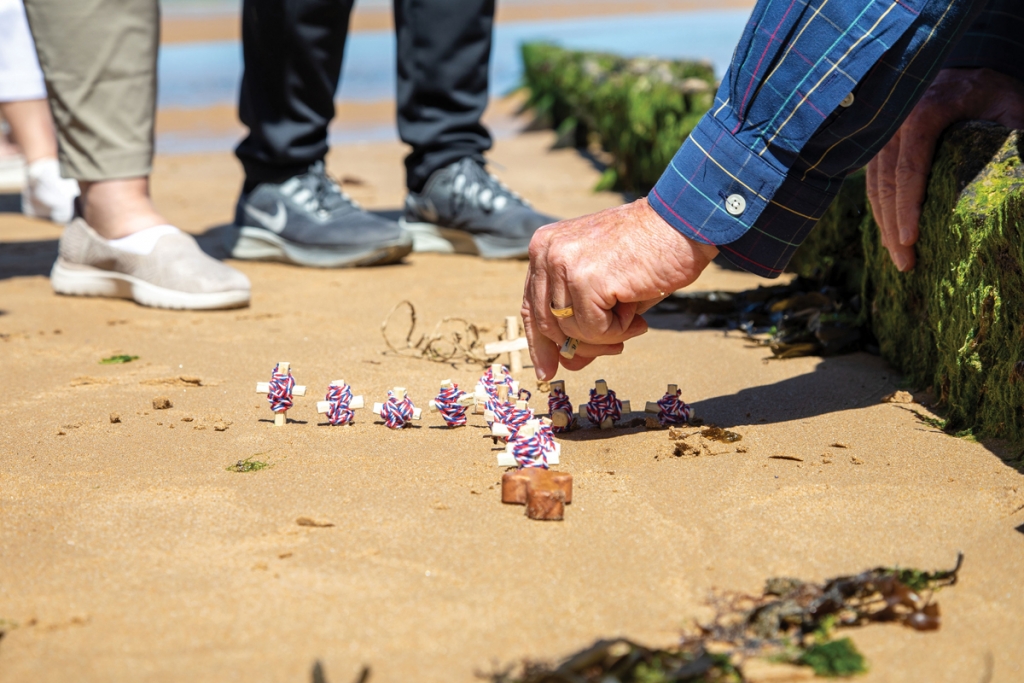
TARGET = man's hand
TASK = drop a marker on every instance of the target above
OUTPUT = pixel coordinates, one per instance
(898, 176)
(611, 267)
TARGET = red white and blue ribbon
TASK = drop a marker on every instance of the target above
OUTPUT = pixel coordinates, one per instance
(499, 409)
(516, 418)
(339, 398)
(448, 405)
(396, 413)
(673, 410)
(487, 380)
(280, 394)
(559, 400)
(603, 407)
(533, 451)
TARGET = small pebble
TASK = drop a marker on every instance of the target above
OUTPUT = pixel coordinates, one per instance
(115, 418)
(162, 403)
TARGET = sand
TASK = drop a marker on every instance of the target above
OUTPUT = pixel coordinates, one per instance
(183, 28)
(128, 551)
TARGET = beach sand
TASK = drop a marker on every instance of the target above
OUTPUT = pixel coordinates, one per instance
(129, 552)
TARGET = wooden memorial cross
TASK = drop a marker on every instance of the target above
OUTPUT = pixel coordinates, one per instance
(545, 493)
(324, 407)
(501, 430)
(281, 418)
(512, 344)
(602, 390)
(464, 400)
(481, 395)
(653, 407)
(559, 418)
(506, 459)
(399, 394)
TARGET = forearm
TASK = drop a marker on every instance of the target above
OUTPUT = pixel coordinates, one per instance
(796, 115)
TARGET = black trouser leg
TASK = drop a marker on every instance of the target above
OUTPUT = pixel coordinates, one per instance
(293, 51)
(443, 51)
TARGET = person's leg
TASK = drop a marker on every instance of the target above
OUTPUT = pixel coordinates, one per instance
(99, 58)
(44, 194)
(292, 51)
(454, 204)
(443, 51)
(31, 128)
(290, 209)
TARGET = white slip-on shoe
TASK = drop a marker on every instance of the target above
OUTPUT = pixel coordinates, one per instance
(46, 194)
(174, 274)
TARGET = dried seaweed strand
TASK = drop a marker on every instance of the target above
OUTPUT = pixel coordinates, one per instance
(459, 345)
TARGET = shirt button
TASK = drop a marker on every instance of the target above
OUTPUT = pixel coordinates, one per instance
(847, 101)
(735, 204)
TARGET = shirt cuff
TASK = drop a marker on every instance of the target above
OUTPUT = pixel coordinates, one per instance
(715, 187)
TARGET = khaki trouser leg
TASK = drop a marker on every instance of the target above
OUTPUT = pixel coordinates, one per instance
(99, 61)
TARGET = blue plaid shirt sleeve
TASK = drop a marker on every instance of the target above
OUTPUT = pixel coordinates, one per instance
(995, 40)
(814, 91)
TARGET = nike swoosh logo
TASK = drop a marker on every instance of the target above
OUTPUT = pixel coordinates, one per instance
(274, 223)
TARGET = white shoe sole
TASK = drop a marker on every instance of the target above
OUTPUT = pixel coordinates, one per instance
(87, 281)
(428, 237)
(257, 244)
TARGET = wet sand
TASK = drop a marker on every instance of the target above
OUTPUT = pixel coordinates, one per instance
(129, 552)
(189, 29)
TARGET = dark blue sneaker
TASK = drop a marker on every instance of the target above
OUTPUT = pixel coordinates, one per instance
(463, 209)
(307, 220)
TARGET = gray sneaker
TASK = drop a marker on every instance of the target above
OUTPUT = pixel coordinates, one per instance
(176, 274)
(463, 209)
(309, 221)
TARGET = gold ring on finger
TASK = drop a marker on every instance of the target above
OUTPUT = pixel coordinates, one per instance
(566, 312)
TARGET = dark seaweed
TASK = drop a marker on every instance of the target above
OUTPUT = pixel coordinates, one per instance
(792, 621)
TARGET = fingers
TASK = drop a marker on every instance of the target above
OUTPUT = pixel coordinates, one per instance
(588, 353)
(613, 327)
(543, 349)
(872, 188)
(917, 151)
(883, 188)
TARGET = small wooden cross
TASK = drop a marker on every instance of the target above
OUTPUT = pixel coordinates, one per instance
(559, 418)
(602, 390)
(464, 400)
(653, 407)
(513, 345)
(545, 493)
(500, 430)
(480, 395)
(506, 459)
(281, 418)
(399, 394)
(324, 407)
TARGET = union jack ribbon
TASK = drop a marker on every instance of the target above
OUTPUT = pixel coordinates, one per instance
(447, 403)
(533, 451)
(673, 410)
(559, 400)
(601, 407)
(339, 399)
(280, 394)
(396, 414)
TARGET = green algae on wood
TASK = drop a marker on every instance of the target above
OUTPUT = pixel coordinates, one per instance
(638, 110)
(956, 322)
